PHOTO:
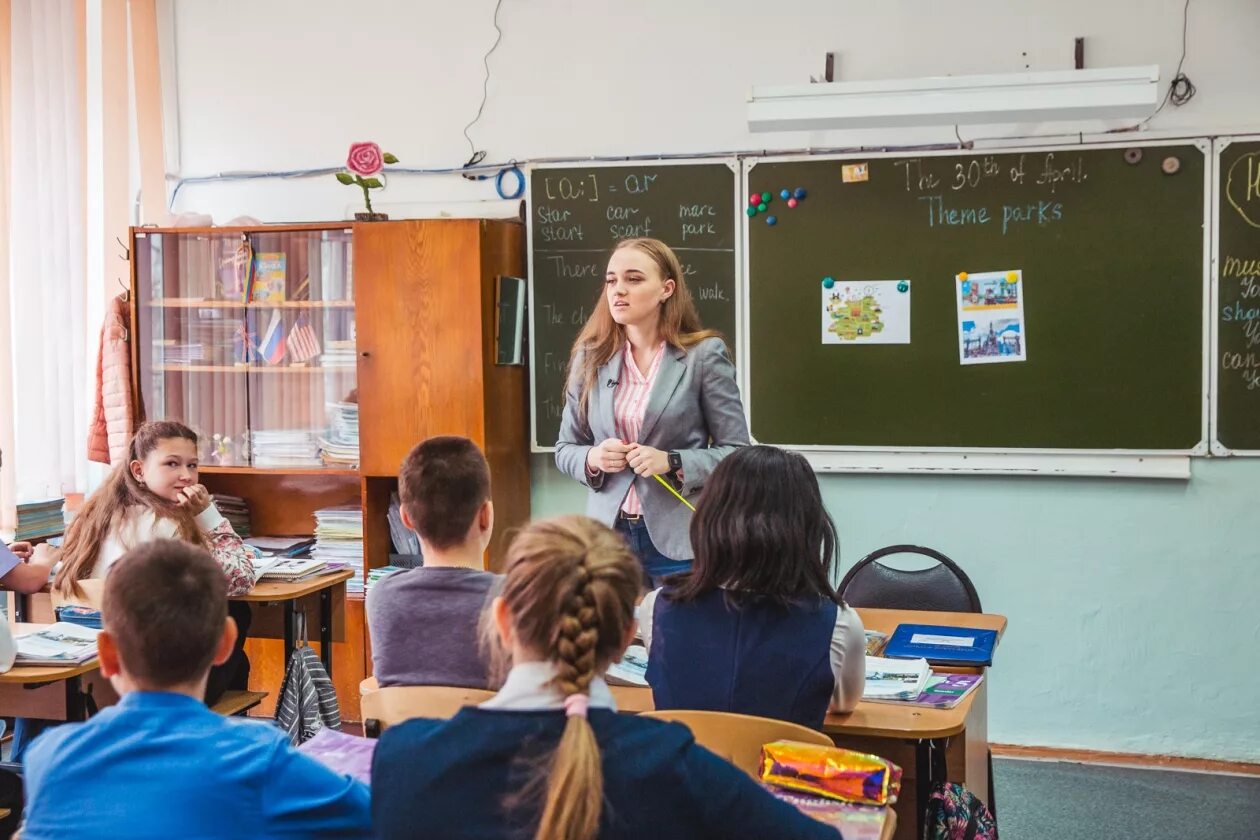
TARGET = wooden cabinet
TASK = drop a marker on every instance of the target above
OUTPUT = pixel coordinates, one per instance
(269, 337)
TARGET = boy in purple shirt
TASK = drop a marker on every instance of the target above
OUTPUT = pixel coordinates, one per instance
(161, 764)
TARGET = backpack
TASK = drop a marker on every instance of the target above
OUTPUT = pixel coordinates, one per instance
(955, 813)
(307, 701)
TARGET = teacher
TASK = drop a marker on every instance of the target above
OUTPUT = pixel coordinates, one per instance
(650, 392)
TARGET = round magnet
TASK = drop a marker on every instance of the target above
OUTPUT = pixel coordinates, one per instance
(762, 207)
(962, 275)
(766, 198)
(791, 202)
(754, 199)
(1012, 277)
(903, 286)
(751, 211)
(785, 194)
(798, 193)
(828, 282)
(1171, 165)
(770, 220)
(1132, 156)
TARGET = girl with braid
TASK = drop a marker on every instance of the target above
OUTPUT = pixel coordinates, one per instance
(548, 757)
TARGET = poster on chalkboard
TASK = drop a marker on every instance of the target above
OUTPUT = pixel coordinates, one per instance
(991, 318)
(876, 312)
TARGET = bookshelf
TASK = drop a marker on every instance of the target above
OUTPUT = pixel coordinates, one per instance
(402, 313)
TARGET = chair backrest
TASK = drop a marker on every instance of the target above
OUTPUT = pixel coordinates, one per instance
(387, 706)
(739, 738)
(943, 587)
(90, 594)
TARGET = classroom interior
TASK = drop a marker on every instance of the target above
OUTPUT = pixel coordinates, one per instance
(1121, 699)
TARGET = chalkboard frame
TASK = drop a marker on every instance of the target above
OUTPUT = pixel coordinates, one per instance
(731, 162)
(1167, 463)
(1219, 145)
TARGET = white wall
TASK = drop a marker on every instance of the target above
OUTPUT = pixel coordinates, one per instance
(1133, 605)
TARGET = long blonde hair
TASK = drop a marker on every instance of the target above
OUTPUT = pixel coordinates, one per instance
(602, 337)
(103, 510)
(570, 588)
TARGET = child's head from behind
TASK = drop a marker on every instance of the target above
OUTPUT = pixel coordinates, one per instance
(162, 458)
(164, 615)
(761, 528)
(444, 489)
(568, 598)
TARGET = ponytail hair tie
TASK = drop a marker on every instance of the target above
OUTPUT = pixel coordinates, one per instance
(575, 705)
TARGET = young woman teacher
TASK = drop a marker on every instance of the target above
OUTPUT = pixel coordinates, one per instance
(650, 393)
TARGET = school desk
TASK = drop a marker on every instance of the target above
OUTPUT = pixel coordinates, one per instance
(931, 745)
(288, 594)
(52, 692)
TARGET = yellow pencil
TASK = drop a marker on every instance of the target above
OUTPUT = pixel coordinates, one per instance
(667, 486)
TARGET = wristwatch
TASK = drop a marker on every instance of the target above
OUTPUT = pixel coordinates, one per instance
(675, 462)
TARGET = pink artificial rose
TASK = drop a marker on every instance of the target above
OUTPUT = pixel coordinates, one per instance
(365, 159)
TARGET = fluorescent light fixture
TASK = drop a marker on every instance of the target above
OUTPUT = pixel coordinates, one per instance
(1108, 93)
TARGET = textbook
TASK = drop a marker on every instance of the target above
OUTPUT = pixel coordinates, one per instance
(267, 285)
(942, 691)
(631, 669)
(57, 644)
(894, 679)
(941, 645)
(293, 569)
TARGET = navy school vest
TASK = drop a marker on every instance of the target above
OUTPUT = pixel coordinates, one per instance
(759, 658)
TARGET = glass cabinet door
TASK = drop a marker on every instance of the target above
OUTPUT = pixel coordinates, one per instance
(249, 339)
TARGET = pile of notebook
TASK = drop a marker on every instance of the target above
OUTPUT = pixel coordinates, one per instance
(339, 541)
(290, 569)
(904, 673)
(631, 669)
(235, 510)
(57, 644)
(183, 354)
(375, 576)
(284, 448)
(341, 447)
(36, 520)
(338, 354)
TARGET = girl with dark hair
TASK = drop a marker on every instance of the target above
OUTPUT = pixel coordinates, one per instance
(756, 626)
(549, 757)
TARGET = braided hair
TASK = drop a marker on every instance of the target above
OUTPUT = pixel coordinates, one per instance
(569, 588)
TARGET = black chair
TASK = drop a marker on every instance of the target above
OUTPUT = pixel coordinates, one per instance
(943, 587)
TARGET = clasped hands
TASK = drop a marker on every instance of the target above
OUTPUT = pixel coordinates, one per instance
(613, 456)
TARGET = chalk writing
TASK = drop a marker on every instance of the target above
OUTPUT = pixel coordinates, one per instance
(568, 189)
(711, 291)
(566, 269)
(1242, 187)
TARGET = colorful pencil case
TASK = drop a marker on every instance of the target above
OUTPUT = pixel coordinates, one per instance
(831, 772)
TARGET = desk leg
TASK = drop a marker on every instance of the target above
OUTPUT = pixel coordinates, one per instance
(290, 620)
(325, 628)
(76, 706)
(930, 768)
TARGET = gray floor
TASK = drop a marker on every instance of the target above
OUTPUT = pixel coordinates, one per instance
(1042, 800)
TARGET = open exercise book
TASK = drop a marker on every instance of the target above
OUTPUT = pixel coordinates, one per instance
(62, 643)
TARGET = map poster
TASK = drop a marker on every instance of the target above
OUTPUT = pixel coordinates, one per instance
(991, 317)
(865, 312)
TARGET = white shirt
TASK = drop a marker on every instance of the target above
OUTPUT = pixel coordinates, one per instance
(528, 687)
(141, 525)
(847, 653)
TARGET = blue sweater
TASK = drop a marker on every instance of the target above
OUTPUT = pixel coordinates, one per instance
(757, 658)
(161, 765)
(451, 779)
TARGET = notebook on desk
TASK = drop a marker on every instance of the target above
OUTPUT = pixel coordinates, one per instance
(940, 645)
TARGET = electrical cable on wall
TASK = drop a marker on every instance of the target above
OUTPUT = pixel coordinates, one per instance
(475, 156)
(1180, 90)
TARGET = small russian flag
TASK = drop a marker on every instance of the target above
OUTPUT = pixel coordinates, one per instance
(272, 348)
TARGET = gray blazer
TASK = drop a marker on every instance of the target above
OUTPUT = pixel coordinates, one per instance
(694, 409)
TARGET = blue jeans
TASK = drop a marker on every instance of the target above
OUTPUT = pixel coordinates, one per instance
(656, 566)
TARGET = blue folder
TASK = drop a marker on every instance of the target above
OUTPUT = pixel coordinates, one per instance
(942, 645)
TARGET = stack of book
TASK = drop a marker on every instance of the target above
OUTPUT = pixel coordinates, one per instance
(338, 354)
(36, 520)
(375, 576)
(911, 681)
(57, 644)
(339, 541)
(235, 510)
(284, 448)
(183, 354)
(292, 570)
(341, 447)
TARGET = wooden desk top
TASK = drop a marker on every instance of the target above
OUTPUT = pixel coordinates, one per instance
(274, 590)
(33, 674)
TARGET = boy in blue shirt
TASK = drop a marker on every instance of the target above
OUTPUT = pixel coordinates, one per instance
(160, 763)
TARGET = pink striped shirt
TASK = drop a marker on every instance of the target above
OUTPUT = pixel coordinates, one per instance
(629, 406)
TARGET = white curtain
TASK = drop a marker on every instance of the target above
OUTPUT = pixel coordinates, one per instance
(47, 347)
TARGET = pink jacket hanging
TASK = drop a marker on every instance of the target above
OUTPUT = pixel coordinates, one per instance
(112, 419)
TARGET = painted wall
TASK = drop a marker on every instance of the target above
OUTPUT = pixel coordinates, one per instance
(1133, 605)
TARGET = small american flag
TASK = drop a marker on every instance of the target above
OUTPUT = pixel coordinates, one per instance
(303, 344)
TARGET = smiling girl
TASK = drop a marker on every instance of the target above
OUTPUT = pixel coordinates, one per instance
(650, 393)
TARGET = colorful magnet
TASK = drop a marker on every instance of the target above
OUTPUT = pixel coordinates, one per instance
(766, 198)
(762, 207)
(903, 286)
(770, 220)
(1012, 277)
(828, 282)
(791, 201)
(962, 275)
(785, 194)
(754, 199)
(751, 211)
(798, 193)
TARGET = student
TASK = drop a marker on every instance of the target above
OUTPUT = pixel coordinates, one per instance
(548, 756)
(155, 494)
(756, 627)
(423, 621)
(22, 569)
(650, 393)
(159, 763)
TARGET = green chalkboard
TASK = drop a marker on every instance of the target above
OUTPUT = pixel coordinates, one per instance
(577, 215)
(1237, 357)
(1108, 251)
